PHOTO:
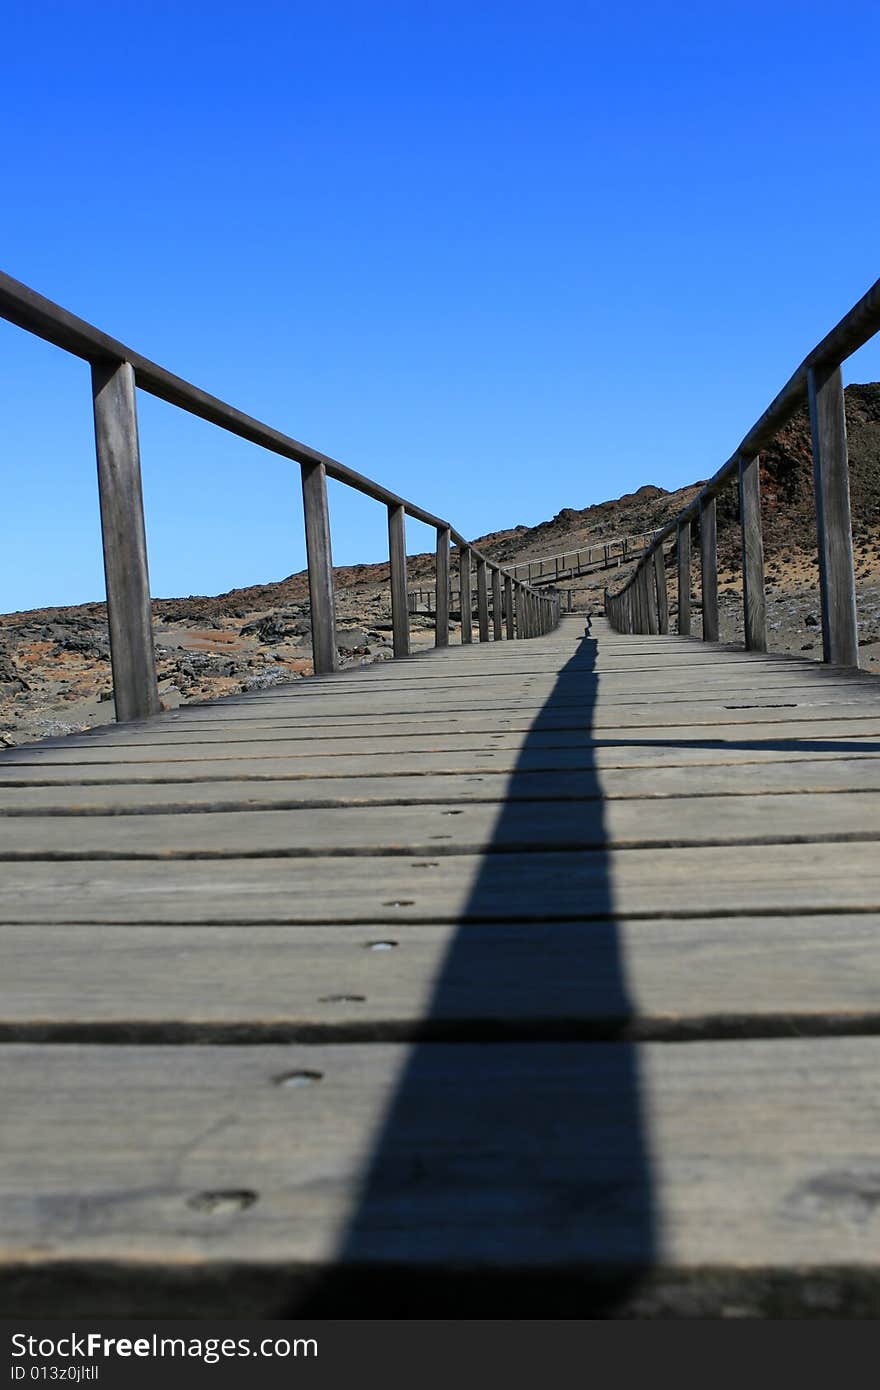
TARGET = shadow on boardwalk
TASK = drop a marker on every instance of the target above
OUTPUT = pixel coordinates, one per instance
(510, 1178)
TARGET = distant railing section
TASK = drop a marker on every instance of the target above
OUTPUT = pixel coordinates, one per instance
(117, 371)
(554, 569)
(641, 605)
(585, 559)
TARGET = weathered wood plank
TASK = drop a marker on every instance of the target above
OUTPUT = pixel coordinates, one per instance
(465, 581)
(181, 1170)
(662, 592)
(322, 593)
(441, 629)
(436, 831)
(647, 754)
(482, 601)
(683, 571)
(754, 602)
(840, 633)
(397, 557)
(787, 879)
(135, 690)
(709, 570)
(812, 773)
(670, 721)
(731, 976)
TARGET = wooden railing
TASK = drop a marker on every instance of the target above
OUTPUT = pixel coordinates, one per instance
(116, 373)
(553, 569)
(641, 605)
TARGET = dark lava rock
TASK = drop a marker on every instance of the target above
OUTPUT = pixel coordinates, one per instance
(274, 629)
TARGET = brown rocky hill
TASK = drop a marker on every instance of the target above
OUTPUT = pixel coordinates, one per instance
(54, 663)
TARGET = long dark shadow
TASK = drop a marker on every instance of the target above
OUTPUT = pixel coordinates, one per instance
(511, 1175)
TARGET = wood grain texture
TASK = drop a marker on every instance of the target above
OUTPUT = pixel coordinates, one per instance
(735, 976)
(123, 534)
(683, 572)
(482, 601)
(511, 886)
(197, 1161)
(322, 593)
(465, 581)
(840, 635)
(441, 629)
(397, 556)
(709, 570)
(567, 951)
(754, 602)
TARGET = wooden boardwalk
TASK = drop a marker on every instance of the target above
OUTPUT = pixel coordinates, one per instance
(531, 978)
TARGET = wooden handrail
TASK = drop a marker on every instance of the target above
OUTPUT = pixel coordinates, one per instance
(116, 371)
(817, 382)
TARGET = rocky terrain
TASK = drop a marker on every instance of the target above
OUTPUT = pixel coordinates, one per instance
(55, 663)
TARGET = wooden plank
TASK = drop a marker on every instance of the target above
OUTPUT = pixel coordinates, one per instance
(322, 594)
(497, 613)
(194, 1175)
(840, 634)
(754, 602)
(135, 691)
(482, 601)
(811, 773)
(672, 720)
(715, 976)
(506, 887)
(709, 570)
(435, 830)
(683, 563)
(629, 753)
(397, 555)
(508, 608)
(465, 582)
(662, 592)
(441, 629)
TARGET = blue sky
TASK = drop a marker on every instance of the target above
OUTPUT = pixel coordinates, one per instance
(505, 258)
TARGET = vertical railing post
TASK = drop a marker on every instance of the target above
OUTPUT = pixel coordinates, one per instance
(497, 614)
(754, 602)
(397, 556)
(709, 569)
(322, 598)
(683, 565)
(662, 591)
(508, 608)
(840, 636)
(129, 616)
(650, 588)
(465, 584)
(441, 597)
(482, 600)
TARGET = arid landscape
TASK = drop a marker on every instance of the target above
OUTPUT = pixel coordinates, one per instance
(55, 662)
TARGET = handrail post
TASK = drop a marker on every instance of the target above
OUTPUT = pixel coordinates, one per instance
(662, 591)
(397, 557)
(129, 614)
(754, 601)
(840, 637)
(497, 615)
(319, 558)
(709, 569)
(683, 558)
(650, 599)
(482, 600)
(441, 597)
(508, 608)
(465, 588)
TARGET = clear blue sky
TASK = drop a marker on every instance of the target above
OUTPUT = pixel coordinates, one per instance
(504, 257)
